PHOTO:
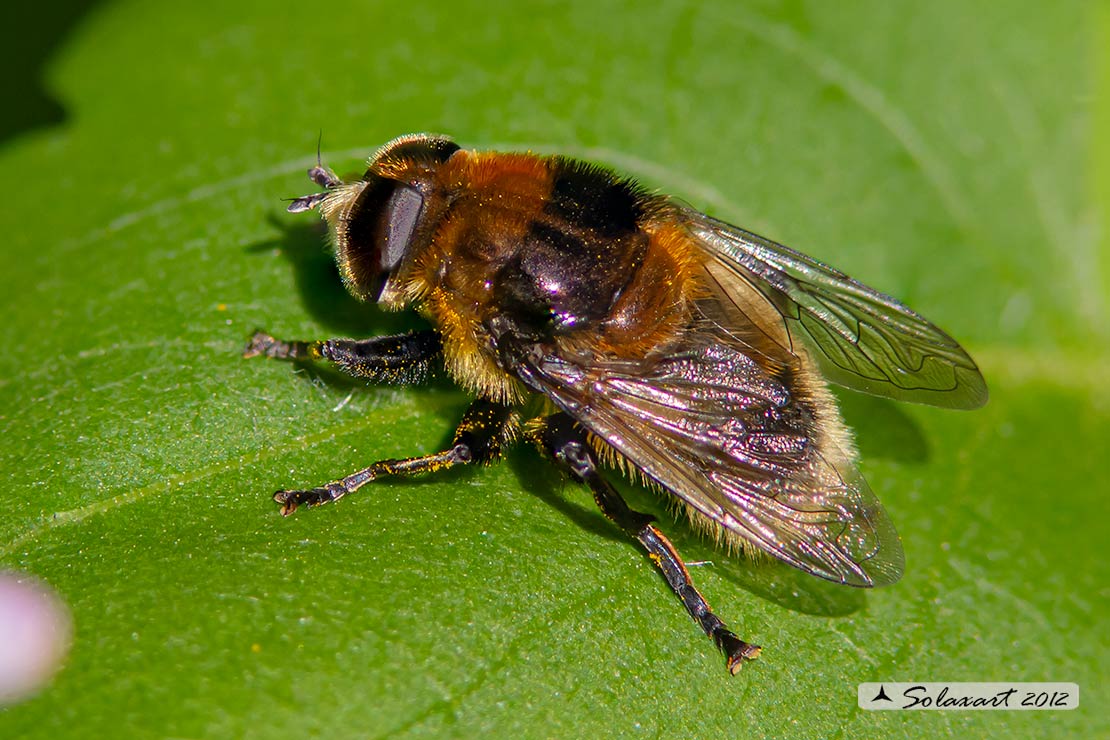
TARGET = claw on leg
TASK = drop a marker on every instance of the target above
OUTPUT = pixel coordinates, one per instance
(290, 500)
(262, 344)
(738, 652)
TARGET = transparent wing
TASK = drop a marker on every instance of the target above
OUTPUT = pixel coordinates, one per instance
(862, 339)
(711, 426)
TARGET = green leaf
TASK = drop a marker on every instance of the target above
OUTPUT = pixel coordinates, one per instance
(952, 156)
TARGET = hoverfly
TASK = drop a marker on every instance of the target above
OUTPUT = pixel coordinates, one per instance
(659, 340)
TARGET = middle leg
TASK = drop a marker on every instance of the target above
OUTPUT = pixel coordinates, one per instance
(486, 428)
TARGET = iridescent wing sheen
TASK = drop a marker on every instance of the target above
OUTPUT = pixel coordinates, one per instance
(862, 339)
(710, 425)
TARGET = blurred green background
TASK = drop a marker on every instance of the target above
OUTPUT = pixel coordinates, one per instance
(952, 154)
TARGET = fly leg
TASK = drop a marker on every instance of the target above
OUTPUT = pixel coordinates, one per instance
(485, 430)
(401, 359)
(565, 441)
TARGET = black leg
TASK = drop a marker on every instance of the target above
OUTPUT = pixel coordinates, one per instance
(561, 438)
(403, 359)
(486, 428)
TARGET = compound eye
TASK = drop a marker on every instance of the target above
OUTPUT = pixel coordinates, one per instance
(399, 223)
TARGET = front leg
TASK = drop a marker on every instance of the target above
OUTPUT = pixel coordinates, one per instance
(402, 359)
(486, 429)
